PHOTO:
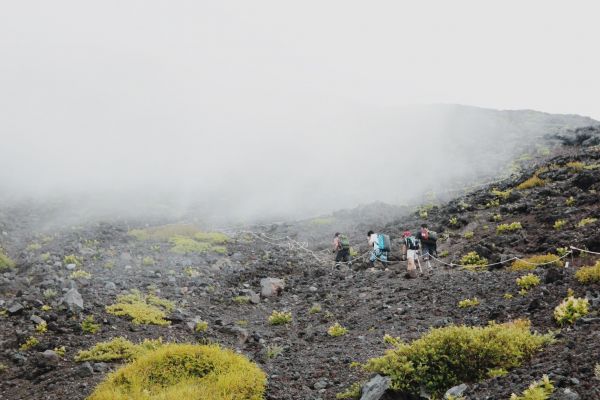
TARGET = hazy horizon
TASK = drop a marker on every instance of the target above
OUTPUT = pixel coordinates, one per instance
(275, 108)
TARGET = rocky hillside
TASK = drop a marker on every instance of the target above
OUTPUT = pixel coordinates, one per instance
(56, 300)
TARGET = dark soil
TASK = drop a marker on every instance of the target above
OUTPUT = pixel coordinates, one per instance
(369, 302)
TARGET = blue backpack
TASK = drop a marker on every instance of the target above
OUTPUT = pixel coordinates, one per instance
(383, 242)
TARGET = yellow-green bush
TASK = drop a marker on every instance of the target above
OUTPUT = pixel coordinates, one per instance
(466, 303)
(469, 235)
(30, 343)
(528, 281)
(185, 371)
(570, 310)
(72, 259)
(117, 349)
(586, 221)
(529, 263)
(575, 166)
(540, 390)
(211, 237)
(559, 224)
(5, 261)
(503, 228)
(280, 318)
(201, 326)
(473, 261)
(186, 245)
(445, 357)
(502, 194)
(337, 330)
(531, 182)
(570, 201)
(148, 261)
(42, 327)
(589, 274)
(142, 309)
(88, 325)
(164, 232)
(80, 274)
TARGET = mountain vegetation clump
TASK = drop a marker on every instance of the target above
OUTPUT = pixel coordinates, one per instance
(448, 356)
(570, 310)
(185, 371)
(117, 349)
(142, 309)
(539, 390)
(5, 262)
(530, 263)
(589, 274)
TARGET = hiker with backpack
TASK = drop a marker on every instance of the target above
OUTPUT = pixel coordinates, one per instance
(341, 248)
(410, 246)
(381, 247)
(428, 241)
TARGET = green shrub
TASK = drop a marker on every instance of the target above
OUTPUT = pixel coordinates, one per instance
(322, 221)
(497, 217)
(575, 166)
(164, 233)
(444, 254)
(30, 343)
(118, 349)
(72, 259)
(492, 203)
(211, 237)
(201, 326)
(528, 281)
(337, 330)
(503, 228)
(570, 201)
(49, 293)
(185, 371)
(80, 274)
(473, 261)
(280, 318)
(88, 325)
(33, 246)
(147, 261)
(42, 327)
(186, 245)
(60, 351)
(142, 309)
(531, 182)
(529, 263)
(589, 274)
(353, 392)
(540, 390)
(453, 221)
(316, 308)
(502, 194)
(586, 221)
(241, 299)
(466, 303)
(448, 356)
(562, 251)
(597, 371)
(274, 350)
(5, 262)
(468, 235)
(570, 310)
(508, 296)
(559, 224)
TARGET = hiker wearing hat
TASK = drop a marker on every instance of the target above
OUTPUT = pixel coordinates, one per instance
(341, 248)
(410, 246)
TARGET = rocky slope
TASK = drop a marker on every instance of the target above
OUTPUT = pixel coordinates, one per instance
(370, 303)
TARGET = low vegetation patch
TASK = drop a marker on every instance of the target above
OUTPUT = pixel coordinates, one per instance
(184, 239)
(530, 263)
(280, 318)
(315, 309)
(473, 261)
(528, 281)
(80, 274)
(540, 390)
(201, 326)
(185, 371)
(466, 303)
(72, 259)
(575, 166)
(570, 310)
(117, 349)
(531, 183)
(30, 343)
(502, 194)
(42, 327)
(337, 330)
(445, 357)
(469, 235)
(587, 275)
(512, 227)
(88, 325)
(142, 309)
(5, 262)
(570, 201)
(586, 221)
(559, 224)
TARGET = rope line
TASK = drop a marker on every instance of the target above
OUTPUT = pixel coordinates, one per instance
(583, 250)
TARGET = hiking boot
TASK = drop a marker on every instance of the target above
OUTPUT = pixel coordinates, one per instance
(412, 274)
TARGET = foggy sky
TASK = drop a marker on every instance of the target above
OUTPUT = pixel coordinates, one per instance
(269, 106)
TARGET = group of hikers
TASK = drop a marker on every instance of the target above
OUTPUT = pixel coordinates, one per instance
(422, 243)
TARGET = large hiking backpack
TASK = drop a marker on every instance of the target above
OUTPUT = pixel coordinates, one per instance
(383, 242)
(412, 243)
(344, 242)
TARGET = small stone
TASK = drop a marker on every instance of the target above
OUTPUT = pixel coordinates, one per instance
(36, 320)
(271, 287)
(110, 286)
(568, 394)
(15, 309)
(73, 300)
(456, 391)
(71, 267)
(320, 384)
(85, 370)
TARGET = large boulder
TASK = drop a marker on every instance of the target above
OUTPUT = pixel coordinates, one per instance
(73, 300)
(375, 388)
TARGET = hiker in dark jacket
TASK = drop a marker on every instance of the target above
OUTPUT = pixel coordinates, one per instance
(428, 242)
(410, 245)
(341, 248)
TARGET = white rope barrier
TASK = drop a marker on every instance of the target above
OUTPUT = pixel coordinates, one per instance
(583, 250)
